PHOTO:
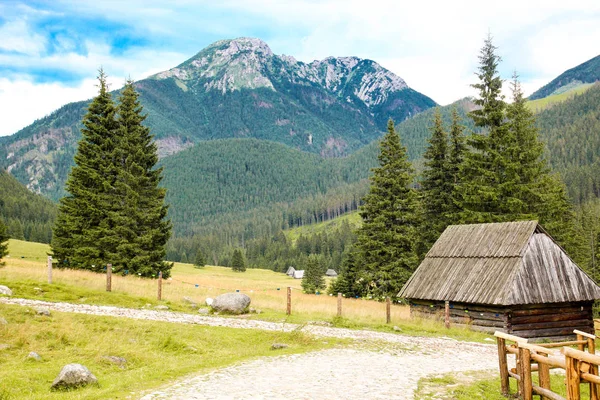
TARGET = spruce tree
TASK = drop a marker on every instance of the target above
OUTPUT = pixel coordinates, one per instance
(238, 263)
(200, 261)
(437, 186)
(348, 280)
(3, 241)
(313, 280)
(387, 237)
(82, 221)
(139, 213)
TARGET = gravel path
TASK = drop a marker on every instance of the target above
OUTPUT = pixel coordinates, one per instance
(329, 374)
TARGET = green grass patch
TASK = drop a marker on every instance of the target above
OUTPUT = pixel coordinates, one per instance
(540, 105)
(156, 352)
(31, 251)
(479, 385)
(352, 218)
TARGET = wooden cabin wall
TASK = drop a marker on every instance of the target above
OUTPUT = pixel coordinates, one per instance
(550, 321)
(480, 317)
(553, 321)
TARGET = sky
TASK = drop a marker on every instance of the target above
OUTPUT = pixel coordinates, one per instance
(50, 51)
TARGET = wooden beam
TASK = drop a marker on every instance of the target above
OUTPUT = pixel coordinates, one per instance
(547, 393)
(584, 334)
(581, 355)
(512, 338)
(536, 348)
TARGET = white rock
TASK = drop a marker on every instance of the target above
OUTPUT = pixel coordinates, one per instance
(73, 376)
(5, 290)
(209, 301)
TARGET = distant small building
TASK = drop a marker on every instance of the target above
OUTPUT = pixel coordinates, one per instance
(298, 274)
(510, 277)
(290, 271)
(331, 272)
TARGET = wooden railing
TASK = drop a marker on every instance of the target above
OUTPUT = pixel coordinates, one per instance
(580, 366)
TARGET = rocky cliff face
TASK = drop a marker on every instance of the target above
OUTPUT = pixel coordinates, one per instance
(234, 88)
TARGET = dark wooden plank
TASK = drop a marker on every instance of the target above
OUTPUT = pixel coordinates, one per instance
(532, 319)
(550, 324)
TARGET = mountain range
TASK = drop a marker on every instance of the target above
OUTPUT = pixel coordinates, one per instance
(253, 142)
(234, 89)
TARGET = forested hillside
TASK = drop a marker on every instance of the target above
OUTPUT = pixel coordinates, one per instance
(588, 72)
(571, 131)
(26, 215)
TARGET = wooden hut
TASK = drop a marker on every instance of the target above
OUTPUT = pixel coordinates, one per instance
(290, 271)
(330, 272)
(508, 276)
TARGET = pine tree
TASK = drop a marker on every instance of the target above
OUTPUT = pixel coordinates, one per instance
(386, 240)
(82, 221)
(3, 241)
(349, 279)
(490, 185)
(238, 263)
(456, 158)
(139, 213)
(200, 260)
(437, 186)
(313, 280)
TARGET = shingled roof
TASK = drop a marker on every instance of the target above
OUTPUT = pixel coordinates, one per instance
(500, 263)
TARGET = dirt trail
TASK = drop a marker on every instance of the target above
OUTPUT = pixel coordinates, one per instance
(330, 374)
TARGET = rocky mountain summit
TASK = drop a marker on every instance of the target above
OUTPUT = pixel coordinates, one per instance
(234, 89)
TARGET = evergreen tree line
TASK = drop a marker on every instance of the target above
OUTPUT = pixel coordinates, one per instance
(114, 211)
(499, 174)
(4, 236)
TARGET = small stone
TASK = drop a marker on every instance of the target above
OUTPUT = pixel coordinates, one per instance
(209, 301)
(161, 307)
(3, 321)
(120, 361)
(397, 329)
(4, 346)
(38, 290)
(5, 290)
(45, 311)
(191, 349)
(487, 339)
(258, 311)
(277, 346)
(34, 356)
(73, 376)
(203, 311)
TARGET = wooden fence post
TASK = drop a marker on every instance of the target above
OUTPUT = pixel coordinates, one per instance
(447, 315)
(593, 370)
(108, 277)
(160, 285)
(339, 305)
(573, 378)
(544, 375)
(388, 310)
(503, 364)
(288, 310)
(526, 382)
(50, 270)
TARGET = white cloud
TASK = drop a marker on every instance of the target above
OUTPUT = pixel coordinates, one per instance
(433, 45)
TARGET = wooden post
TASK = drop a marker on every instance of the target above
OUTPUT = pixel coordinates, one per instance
(159, 285)
(288, 310)
(50, 270)
(526, 383)
(593, 370)
(339, 305)
(573, 378)
(544, 375)
(447, 315)
(503, 365)
(108, 277)
(388, 310)
(580, 347)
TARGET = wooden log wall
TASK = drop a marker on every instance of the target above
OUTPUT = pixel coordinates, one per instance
(550, 321)
(481, 317)
(554, 322)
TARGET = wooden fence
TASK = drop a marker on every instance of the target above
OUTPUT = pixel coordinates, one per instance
(581, 366)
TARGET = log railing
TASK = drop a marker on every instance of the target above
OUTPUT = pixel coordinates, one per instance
(580, 366)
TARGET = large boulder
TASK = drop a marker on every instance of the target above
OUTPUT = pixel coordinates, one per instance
(231, 303)
(73, 376)
(5, 290)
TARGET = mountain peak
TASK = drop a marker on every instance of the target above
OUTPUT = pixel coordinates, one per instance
(243, 44)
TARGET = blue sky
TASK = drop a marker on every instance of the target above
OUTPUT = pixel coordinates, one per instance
(50, 50)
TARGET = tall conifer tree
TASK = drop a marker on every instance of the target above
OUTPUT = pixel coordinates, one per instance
(238, 263)
(386, 240)
(82, 215)
(456, 158)
(139, 213)
(437, 185)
